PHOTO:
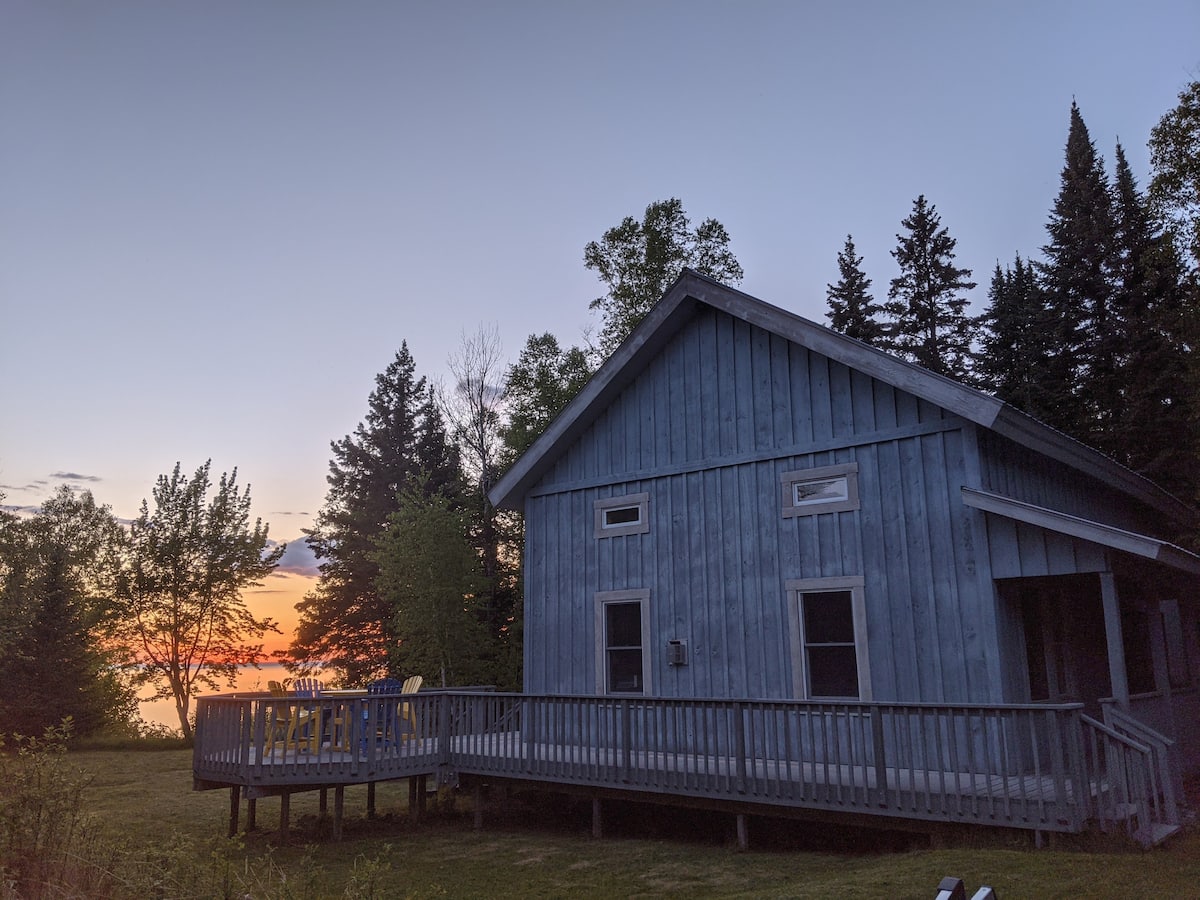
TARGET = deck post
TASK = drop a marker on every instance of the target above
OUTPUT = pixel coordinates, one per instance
(414, 811)
(339, 807)
(234, 794)
(370, 799)
(739, 740)
(743, 832)
(285, 816)
(597, 818)
(1116, 642)
(881, 784)
(251, 814)
(477, 802)
(323, 802)
(626, 741)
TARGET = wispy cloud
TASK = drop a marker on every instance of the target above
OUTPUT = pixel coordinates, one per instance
(75, 476)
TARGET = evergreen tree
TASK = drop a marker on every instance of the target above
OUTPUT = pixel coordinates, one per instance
(852, 310)
(59, 572)
(344, 621)
(638, 261)
(1014, 348)
(929, 322)
(1154, 431)
(1077, 277)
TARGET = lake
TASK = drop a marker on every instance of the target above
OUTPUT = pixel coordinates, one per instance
(162, 712)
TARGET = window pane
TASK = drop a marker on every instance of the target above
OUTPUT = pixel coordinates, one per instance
(828, 618)
(622, 515)
(625, 671)
(623, 624)
(826, 491)
(832, 672)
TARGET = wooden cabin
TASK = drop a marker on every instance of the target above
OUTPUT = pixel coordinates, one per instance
(772, 571)
(743, 504)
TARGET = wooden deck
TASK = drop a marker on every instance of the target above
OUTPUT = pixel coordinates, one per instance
(1009, 766)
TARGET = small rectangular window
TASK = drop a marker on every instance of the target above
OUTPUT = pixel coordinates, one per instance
(829, 653)
(622, 619)
(628, 514)
(827, 489)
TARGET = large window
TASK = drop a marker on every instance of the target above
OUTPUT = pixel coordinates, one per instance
(622, 515)
(622, 631)
(826, 489)
(828, 633)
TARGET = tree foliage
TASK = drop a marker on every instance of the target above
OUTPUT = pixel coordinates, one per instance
(928, 309)
(344, 621)
(59, 570)
(539, 385)
(1175, 163)
(429, 576)
(190, 559)
(1015, 346)
(638, 261)
(852, 309)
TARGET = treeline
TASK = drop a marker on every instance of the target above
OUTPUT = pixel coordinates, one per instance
(419, 574)
(92, 610)
(1096, 337)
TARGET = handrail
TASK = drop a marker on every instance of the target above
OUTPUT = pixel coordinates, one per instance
(1170, 775)
(1127, 783)
(1021, 765)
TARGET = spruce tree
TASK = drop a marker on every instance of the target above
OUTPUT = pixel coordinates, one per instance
(1155, 428)
(1014, 349)
(344, 621)
(929, 322)
(1077, 276)
(852, 310)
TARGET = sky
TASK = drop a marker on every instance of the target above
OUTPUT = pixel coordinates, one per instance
(219, 220)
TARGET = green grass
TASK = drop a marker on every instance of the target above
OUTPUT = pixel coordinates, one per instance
(542, 848)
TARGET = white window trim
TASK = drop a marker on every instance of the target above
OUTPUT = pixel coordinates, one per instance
(796, 588)
(603, 598)
(789, 480)
(641, 526)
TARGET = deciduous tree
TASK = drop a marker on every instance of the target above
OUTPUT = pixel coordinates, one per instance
(538, 386)
(638, 261)
(59, 570)
(1175, 164)
(190, 559)
(429, 576)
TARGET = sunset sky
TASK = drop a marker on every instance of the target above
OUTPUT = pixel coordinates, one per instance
(219, 220)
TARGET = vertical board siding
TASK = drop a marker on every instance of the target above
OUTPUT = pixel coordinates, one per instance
(722, 411)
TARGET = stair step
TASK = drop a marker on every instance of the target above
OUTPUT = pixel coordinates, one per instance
(1155, 833)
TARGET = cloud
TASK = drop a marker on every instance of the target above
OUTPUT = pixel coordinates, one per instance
(298, 559)
(75, 476)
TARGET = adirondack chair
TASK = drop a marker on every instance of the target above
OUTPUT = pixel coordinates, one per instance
(384, 711)
(412, 685)
(289, 724)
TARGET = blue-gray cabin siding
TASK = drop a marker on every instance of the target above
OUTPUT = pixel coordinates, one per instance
(707, 429)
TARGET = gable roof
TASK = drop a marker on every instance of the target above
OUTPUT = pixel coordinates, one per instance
(692, 291)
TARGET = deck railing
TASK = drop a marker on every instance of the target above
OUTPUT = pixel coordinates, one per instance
(1026, 766)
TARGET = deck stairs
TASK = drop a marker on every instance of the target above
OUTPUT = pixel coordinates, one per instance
(1135, 777)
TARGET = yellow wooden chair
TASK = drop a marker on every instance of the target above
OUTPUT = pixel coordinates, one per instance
(411, 685)
(289, 722)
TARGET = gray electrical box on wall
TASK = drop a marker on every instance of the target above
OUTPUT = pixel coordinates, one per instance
(677, 653)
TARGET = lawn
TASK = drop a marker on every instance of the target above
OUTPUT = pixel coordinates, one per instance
(541, 847)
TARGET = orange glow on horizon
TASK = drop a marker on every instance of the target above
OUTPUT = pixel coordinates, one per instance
(277, 599)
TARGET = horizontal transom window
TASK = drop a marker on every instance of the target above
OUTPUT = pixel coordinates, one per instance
(628, 514)
(807, 492)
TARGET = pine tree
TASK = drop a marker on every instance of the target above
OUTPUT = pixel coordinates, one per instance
(1154, 431)
(344, 621)
(852, 310)
(1077, 277)
(1014, 348)
(929, 322)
